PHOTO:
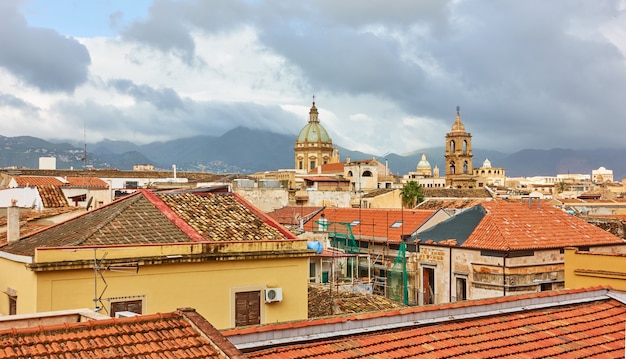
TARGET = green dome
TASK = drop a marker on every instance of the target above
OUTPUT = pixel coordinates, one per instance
(313, 131)
(423, 164)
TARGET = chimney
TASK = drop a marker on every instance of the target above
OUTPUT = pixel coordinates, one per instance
(13, 222)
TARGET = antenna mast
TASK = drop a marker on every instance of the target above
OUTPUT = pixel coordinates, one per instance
(85, 143)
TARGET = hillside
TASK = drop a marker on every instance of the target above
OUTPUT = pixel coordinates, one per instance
(243, 150)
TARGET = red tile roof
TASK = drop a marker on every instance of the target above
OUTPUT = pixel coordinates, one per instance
(516, 226)
(572, 323)
(376, 224)
(181, 334)
(34, 181)
(292, 215)
(330, 168)
(87, 182)
(180, 218)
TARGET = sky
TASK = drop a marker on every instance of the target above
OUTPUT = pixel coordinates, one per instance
(387, 76)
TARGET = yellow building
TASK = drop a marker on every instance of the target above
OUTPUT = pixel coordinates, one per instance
(597, 267)
(149, 253)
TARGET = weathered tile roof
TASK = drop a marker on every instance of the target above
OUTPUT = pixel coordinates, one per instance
(325, 301)
(291, 215)
(450, 203)
(181, 334)
(565, 324)
(373, 223)
(456, 193)
(148, 218)
(504, 225)
(52, 196)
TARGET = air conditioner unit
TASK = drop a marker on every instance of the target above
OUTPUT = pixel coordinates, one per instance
(273, 295)
(125, 314)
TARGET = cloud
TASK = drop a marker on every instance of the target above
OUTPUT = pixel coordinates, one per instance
(387, 77)
(162, 99)
(7, 100)
(40, 57)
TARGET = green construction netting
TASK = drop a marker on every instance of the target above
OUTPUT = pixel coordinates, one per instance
(340, 235)
(397, 286)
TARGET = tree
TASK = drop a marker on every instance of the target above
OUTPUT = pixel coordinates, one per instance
(561, 187)
(411, 194)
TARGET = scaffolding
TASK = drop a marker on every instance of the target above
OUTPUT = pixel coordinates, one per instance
(388, 280)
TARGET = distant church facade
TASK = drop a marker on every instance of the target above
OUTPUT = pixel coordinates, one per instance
(314, 147)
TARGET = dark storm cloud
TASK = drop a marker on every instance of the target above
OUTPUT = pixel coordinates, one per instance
(40, 57)
(163, 99)
(170, 22)
(148, 123)
(7, 100)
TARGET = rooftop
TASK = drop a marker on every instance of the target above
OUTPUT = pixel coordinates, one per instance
(560, 324)
(181, 218)
(181, 334)
(504, 225)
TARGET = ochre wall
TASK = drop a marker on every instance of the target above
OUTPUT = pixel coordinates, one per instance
(590, 269)
(208, 287)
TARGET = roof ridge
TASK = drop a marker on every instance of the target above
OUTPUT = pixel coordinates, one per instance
(171, 215)
(91, 323)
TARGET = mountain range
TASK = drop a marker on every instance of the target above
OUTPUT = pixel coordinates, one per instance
(244, 150)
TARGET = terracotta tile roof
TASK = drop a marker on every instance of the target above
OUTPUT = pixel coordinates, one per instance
(181, 334)
(87, 182)
(376, 224)
(325, 301)
(180, 218)
(34, 181)
(291, 215)
(330, 168)
(515, 226)
(377, 192)
(52, 196)
(214, 216)
(573, 323)
(324, 179)
(456, 193)
(451, 203)
(504, 225)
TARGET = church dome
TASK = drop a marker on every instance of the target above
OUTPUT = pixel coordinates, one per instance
(423, 167)
(423, 164)
(313, 131)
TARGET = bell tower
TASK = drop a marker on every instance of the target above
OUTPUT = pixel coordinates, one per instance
(459, 170)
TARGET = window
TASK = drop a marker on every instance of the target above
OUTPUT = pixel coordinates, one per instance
(367, 174)
(131, 184)
(247, 308)
(312, 272)
(396, 224)
(134, 306)
(461, 288)
(546, 287)
(300, 165)
(12, 305)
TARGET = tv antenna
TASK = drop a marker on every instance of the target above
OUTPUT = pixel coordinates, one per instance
(99, 268)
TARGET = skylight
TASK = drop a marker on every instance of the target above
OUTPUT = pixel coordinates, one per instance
(355, 222)
(396, 224)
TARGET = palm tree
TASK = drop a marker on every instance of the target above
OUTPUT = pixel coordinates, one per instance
(411, 194)
(561, 187)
